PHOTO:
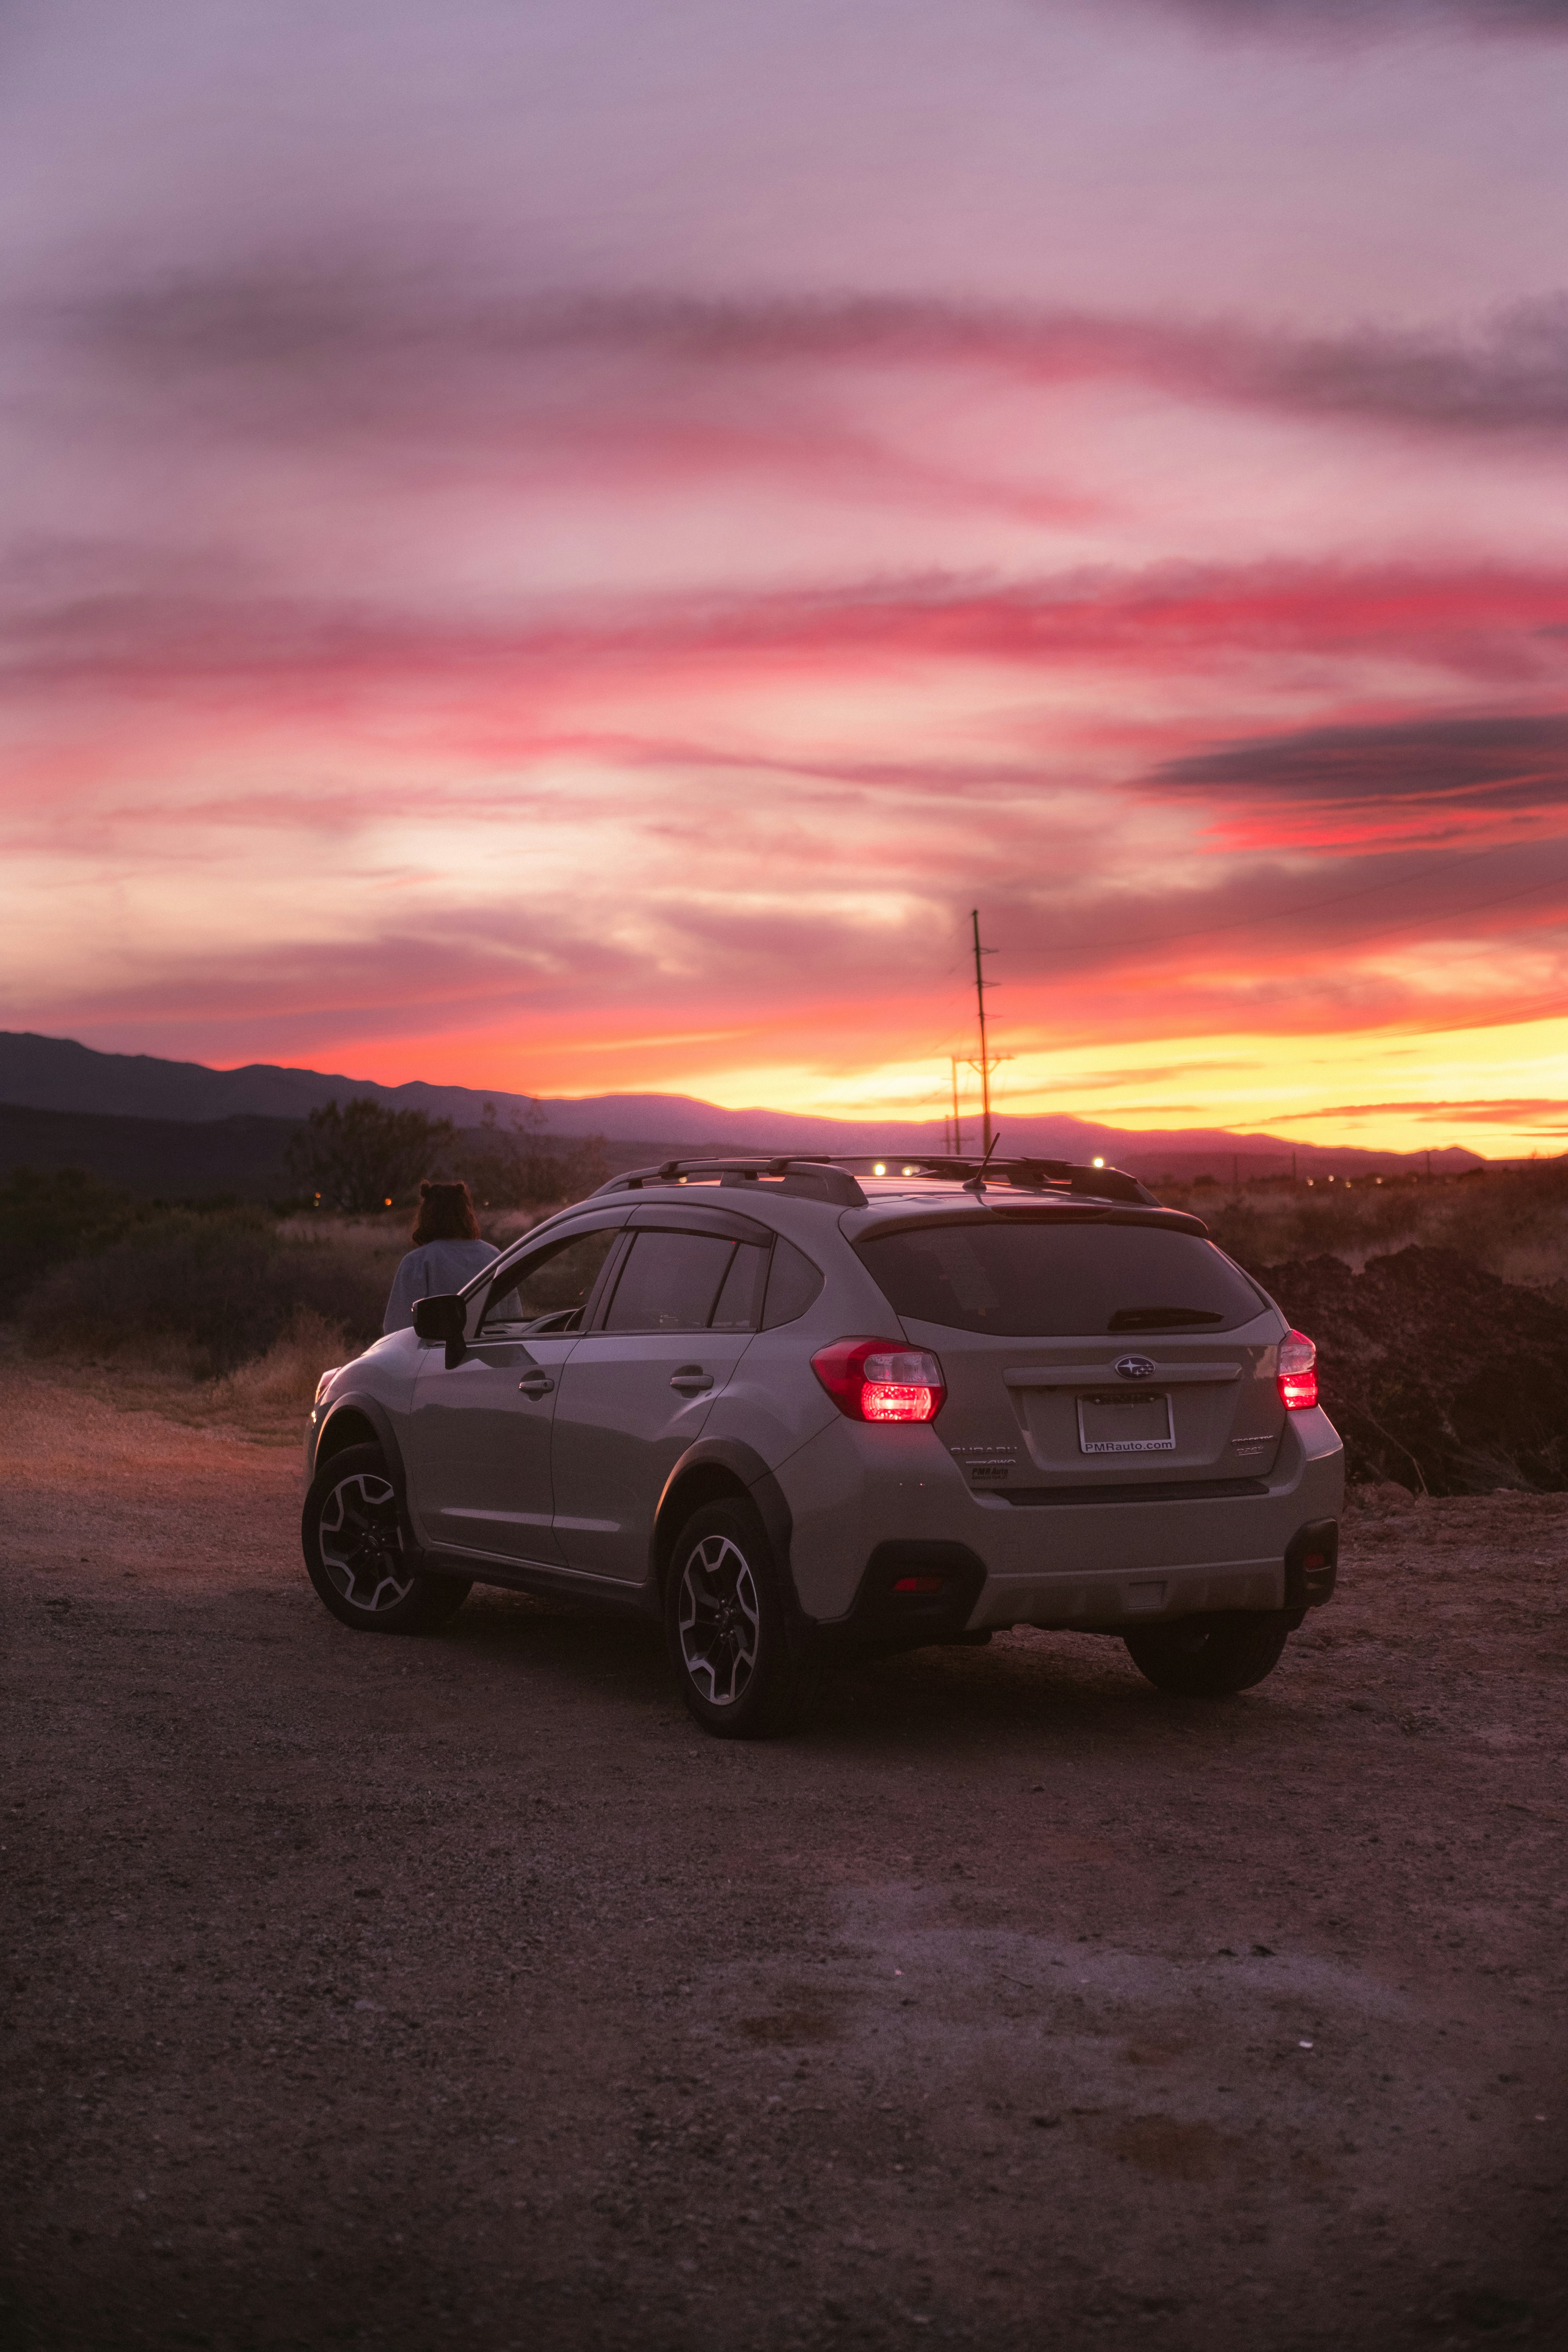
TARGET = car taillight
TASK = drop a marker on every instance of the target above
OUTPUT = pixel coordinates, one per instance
(1298, 1372)
(880, 1380)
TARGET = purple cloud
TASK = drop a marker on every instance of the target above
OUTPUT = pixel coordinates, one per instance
(1294, 16)
(1498, 763)
(354, 347)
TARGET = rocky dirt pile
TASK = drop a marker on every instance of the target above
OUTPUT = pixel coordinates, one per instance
(1437, 1375)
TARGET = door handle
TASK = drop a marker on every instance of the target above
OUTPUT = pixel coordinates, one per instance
(536, 1384)
(690, 1380)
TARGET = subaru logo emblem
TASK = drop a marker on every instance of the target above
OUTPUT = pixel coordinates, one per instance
(1135, 1367)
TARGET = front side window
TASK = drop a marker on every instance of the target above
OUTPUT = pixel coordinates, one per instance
(549, 1290)
(670, 1282)
(1029, 1281)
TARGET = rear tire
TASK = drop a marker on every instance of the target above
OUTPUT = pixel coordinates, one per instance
(1210, 1657)
(356, 1556)
(728, 1628)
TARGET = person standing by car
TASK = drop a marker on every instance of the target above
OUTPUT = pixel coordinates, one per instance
(447, 1252)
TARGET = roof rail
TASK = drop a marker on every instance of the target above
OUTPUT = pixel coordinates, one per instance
(1072, 1176)
(814, 1179)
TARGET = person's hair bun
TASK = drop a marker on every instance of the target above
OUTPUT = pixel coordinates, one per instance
(446, 1212)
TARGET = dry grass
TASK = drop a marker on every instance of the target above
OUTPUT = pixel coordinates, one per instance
(118, 1358)
(284, 1378)
(265, 1401)
(1512, 1224)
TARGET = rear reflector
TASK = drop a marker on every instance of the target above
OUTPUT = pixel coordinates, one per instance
(881, 1380)
(919, 1584)
(1298, 1372)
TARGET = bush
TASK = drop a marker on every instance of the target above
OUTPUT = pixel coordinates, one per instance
(286, 1376)
(224, 1288)
(347, 1286)
(47, 1219)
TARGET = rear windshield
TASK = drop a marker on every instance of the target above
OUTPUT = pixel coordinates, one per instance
(1035, 1282)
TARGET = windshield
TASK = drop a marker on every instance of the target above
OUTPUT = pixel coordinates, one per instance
(1029, 1281)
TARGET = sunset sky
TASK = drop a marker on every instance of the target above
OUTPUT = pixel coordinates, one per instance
(565, 546)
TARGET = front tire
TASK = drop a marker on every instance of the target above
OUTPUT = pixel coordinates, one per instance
(356, 1555)
(728, 1629)
(1210, 1657)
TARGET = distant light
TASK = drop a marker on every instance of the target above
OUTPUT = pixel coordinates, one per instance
(879, 1168)
(1100, 1163)
(909, 1171)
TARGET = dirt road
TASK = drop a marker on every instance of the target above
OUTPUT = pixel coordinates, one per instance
(407, 1994)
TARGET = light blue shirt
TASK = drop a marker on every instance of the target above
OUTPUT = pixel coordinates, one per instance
(433, 1270)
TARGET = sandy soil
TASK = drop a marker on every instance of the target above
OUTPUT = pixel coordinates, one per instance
(403, 1994)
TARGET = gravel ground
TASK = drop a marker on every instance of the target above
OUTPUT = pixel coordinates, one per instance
(415, 1993)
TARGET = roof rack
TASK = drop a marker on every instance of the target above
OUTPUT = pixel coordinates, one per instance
(1099, 1183)
(814, 1180)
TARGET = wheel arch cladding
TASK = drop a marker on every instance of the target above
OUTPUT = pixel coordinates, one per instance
(712, 1470)
(360, 1421)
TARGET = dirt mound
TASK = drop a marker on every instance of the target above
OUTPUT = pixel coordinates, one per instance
(1436, 1373)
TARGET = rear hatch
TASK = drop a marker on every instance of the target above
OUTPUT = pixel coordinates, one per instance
(1111, 1353)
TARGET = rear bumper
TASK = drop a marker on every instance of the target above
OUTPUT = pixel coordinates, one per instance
(861, 1497)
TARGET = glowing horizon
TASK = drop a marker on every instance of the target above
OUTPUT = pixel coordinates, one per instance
(565, 555)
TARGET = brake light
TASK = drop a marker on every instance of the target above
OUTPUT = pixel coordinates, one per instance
(881, 1380)
(1298, 1372)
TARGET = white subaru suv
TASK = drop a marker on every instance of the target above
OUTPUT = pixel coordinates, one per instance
(796, 1413)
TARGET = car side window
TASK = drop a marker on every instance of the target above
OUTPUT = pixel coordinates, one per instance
(670, 1282)
(793, 1283)
(548, 1291)
(740, 1301)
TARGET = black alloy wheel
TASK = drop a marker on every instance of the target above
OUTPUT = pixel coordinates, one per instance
(1210, 1657)
(356, 1555)
(740, 1675)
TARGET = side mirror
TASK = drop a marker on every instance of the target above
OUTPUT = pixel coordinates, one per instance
(443, 1319)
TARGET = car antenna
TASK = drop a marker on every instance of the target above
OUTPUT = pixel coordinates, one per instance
(977, 1183)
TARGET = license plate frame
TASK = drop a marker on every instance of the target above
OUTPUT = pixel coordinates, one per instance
(1152, 1436)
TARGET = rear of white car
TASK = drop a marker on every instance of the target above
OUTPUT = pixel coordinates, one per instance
(1088, 1417)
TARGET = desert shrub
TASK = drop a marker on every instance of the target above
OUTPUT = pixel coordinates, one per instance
(48, 1218)
(346, 1287)
(226, 1288)
(203, 1280)
(286, 1376)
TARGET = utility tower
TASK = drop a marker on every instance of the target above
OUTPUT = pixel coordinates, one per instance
(988, 1060)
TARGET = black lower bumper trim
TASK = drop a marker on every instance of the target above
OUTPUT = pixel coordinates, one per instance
(911, 1593)
(1312, 1564)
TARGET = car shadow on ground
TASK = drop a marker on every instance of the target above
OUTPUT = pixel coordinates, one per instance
(1059, 1688)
